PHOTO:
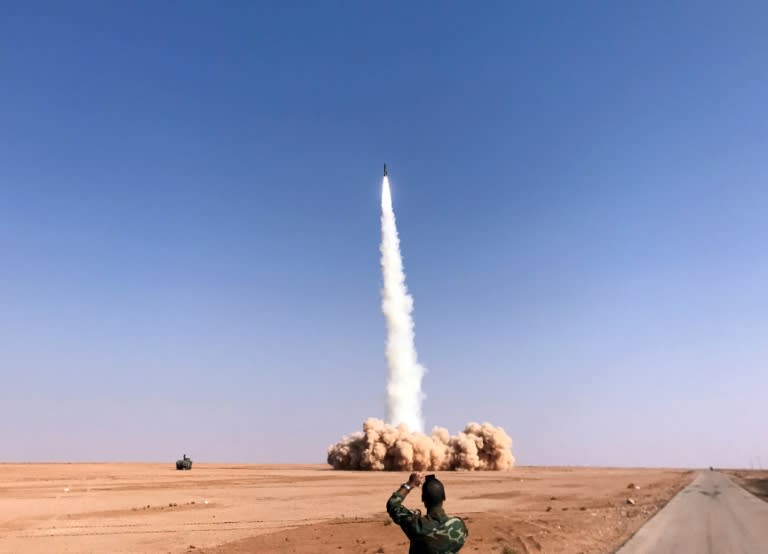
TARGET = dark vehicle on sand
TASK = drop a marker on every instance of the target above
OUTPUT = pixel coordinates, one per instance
(184, 463)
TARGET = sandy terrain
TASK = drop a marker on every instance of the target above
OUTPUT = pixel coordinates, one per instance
(754, 480)
(303, 509)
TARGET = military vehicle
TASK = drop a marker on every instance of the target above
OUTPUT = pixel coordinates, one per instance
(184, 463)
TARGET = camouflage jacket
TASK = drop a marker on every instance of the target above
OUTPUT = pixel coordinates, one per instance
(435, 533)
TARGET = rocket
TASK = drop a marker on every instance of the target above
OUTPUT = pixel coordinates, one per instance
(385, 170)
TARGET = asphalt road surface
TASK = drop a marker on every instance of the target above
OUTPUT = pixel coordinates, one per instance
(712, 515)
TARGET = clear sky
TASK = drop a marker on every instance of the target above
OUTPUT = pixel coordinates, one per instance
(189, 226)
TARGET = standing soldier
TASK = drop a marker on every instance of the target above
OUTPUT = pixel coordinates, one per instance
(434, 533)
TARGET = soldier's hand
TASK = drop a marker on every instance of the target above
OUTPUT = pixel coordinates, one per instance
(416, 479)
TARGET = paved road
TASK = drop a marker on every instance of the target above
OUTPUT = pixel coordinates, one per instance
(712, 515)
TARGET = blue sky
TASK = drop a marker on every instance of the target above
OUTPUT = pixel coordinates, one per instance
(189, 226)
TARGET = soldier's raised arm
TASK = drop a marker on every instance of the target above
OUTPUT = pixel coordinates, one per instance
(399, 513)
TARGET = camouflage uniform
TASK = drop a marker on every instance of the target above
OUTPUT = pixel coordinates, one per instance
(435, 533)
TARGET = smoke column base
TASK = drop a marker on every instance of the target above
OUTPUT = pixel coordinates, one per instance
(383, 447)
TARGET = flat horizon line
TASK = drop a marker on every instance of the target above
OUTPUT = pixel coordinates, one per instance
(324, 465)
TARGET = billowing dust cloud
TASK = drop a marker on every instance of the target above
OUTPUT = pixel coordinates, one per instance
(404, 393)
(385, 447)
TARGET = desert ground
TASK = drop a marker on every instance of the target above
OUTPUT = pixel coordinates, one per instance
(301, 509)
(755, 481)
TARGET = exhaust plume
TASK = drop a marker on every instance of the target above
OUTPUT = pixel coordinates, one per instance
(393, 446)
(404, 393)
(386, 447)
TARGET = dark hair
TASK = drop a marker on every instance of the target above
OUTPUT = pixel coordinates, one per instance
(432, 492)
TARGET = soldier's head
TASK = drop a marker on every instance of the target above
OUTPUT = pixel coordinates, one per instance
(432, 492)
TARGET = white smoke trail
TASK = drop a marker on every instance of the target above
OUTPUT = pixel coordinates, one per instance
(404, 393)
